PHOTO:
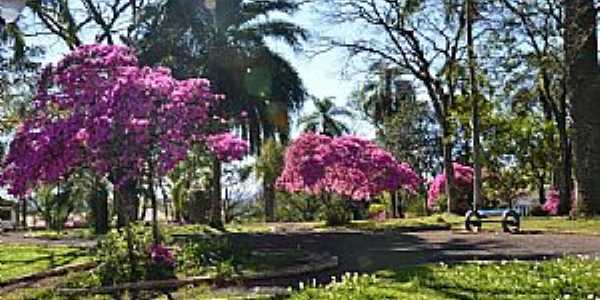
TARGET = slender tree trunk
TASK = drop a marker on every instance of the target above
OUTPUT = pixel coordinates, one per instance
(582, 85)
(565, 183)
(100, 208)
(154, 203)
(125, 196)
(448, 167)
(126, 202)
(216, 215)
(24, 213)
(394, 196)
(541, 188)
(144, 209)
(165, 198)
(269, 194)
(477, 201)
(399, 199)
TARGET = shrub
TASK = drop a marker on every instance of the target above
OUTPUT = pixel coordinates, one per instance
(377, 211)
(336, 212)
(416, 206)
(150, 262)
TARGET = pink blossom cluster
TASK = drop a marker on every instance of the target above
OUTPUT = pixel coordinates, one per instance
(552, 201)
(98, 109)
(161, 255)
(463, 179)
(348, 165)
(227, 147)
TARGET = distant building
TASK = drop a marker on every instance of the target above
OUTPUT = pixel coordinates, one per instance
(8, 214)
(524, 202)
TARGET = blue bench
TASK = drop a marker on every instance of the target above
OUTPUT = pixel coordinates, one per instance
(510, 219)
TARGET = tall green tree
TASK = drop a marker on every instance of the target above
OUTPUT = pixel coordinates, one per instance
(539, 26)
(581, 43)
(325, 118)
(422, 37)
(380, 95)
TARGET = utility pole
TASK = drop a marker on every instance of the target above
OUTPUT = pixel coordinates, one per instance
(473, 95)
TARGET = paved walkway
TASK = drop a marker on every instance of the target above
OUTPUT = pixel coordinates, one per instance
(367, 252)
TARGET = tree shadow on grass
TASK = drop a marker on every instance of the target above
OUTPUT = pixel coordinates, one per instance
(367, 252)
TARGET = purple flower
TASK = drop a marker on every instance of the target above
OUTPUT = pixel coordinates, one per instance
(124, 114)
(161, 255)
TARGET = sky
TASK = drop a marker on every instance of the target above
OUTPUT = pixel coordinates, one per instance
(321, 74)
(326, 74)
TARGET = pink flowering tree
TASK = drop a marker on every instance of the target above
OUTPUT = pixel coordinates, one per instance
(99, 110)
(463, 180)
(348, 166)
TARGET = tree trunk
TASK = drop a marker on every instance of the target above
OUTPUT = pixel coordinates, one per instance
(144, 209)
(541, 188)
(448, 168)
(477, 201)
(100, 209)
(24, 213)
(399, 199)
(216, 215)
(154, 203)
(165, 198)
(125, 203)
(269, 194)
(126, 198)
(565, 183)
(582, 66)
(394, 196)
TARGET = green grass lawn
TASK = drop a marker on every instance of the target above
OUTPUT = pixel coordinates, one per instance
(20, 260)
(76, 233)
(562, 224)
(415, 223)
(569, 278)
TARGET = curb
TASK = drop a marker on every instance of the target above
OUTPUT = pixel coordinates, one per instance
(319, 263)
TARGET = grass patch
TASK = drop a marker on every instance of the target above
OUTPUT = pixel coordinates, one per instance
(562, 224)
(573, 277)
(66, 234)
(20, 260)
(416, 223)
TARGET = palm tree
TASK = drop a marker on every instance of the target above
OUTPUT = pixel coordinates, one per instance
(324, 119)
(379, 97)
(225, 41)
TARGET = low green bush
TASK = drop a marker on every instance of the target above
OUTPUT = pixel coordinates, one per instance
(216, 256)
(146, 261)
(336, 212)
